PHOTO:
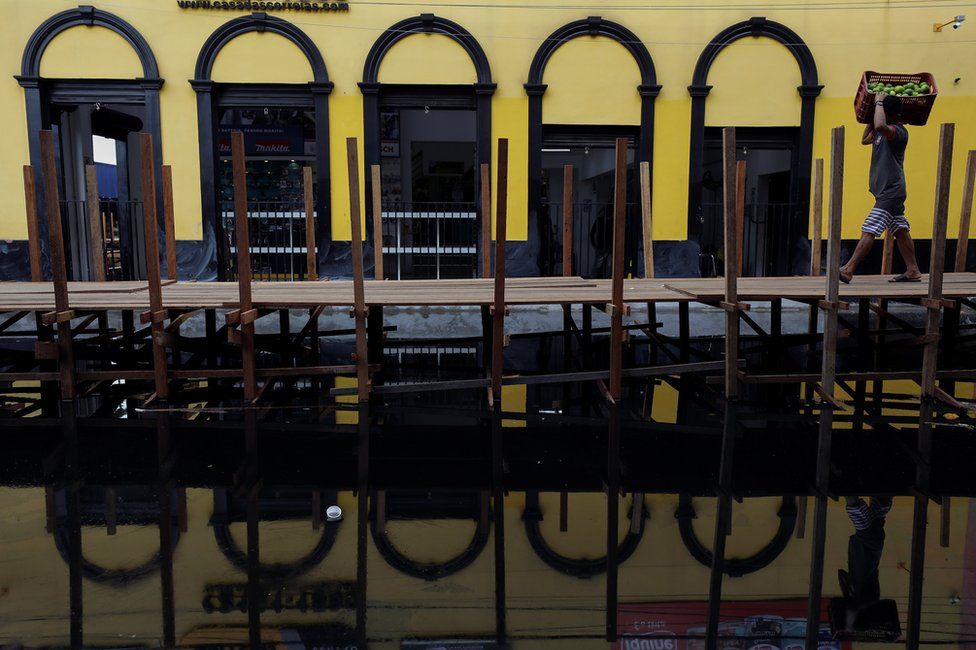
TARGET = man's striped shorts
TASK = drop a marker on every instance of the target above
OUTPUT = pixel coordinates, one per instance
(879, 220)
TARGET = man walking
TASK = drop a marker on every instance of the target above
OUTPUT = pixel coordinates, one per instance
(888, 137)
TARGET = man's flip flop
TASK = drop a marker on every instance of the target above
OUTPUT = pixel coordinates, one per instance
(904, 278)
(843, 279)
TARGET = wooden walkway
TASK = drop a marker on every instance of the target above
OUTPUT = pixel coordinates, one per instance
(39, 296)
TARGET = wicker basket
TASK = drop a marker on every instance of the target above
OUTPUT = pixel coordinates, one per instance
(915, 110)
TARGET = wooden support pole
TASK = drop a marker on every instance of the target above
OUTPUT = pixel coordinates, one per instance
(59, 271)
(243, 241)
(965, 216)
(33, 230)
(617, 281)
(828, 376)
(169, 222)
(817, 236)
(377, 191)
(311, 266)
(930, 353)
(731, 268)
(359, 291)
(647, 221)
(498, 307)
(96, 238)
(151, 229)
(887, 253)
(740, 212)
(485, 170)
(567, 220)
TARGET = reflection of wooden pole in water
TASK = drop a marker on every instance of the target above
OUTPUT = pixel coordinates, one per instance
(165, 490)
(830, 307)
(73, 510)
(615, 390)
(255, 597)
(362, 521)
(934, 305)
(731, 306)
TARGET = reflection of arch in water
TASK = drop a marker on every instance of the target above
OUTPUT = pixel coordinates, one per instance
(432, 570)
(98, 573)
(737, 567)
(284, 570)
(580, 568)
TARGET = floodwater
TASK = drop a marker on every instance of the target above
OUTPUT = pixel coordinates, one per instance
(202, 523)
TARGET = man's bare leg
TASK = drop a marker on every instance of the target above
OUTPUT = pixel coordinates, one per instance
(860, 252)
(906, 246)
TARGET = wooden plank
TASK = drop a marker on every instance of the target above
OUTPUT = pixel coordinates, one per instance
(243, 240)
(740, 212)
(498, 304)
(485, 220)
(930, 353)
(730, 187)
(817, 236)
(359, 296)
(169, 222)
(96, 239)
(567, 220)
(376, 188)
(617, 269)
(965, 216)
(647, 221)
(311, 266)
(59, 271)
(33, 230)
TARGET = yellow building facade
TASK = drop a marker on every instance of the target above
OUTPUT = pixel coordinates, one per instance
(548, 77)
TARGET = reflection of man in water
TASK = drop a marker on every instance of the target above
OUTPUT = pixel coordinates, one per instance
(860, 582)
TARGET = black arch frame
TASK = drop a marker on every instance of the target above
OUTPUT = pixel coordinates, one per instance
(38, 90)
(809, 90)
(535, 88)
(372, 89)
(209, 92)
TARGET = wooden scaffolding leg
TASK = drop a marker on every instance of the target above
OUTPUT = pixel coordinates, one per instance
(243, 241)
(59, 273)
(816, 254)
(377, 192)
(96, 239)
(740, 212)
(156, 314)
(485, 220)
(169, 223)
(359, 292)
(828, 375)
(732, 307)
(934, 305)
(965, 216)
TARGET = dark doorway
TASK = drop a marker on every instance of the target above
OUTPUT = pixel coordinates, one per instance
(428, 155)
(106, 136)
(774, 214)
(590, 150)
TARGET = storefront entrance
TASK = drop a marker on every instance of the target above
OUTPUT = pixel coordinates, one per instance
(103, 135)
(774, 215)
(428, 165)
(590, 150)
